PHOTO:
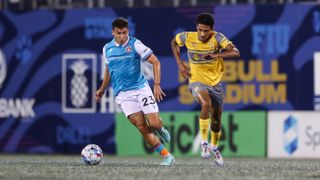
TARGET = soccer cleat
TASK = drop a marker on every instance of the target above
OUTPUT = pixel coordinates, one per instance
(205, 152)
(217, 157)
(164, 135)
(168, 160)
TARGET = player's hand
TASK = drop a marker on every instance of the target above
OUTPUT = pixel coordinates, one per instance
(185, 72)
(211, 56)
(99, 94)
(158, 93)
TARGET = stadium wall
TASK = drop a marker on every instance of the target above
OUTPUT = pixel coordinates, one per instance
(47, 105)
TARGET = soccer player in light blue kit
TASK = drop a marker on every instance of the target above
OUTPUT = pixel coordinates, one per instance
(133, 94)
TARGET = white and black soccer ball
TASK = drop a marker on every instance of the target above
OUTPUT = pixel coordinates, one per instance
(91, 154)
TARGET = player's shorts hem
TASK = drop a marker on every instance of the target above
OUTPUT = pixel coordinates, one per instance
(215, 92)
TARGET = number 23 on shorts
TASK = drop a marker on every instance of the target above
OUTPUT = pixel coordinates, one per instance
(148, 100)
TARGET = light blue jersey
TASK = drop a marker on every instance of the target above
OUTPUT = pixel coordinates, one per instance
(124, 64)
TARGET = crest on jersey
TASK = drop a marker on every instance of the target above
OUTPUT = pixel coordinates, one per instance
(128, 49)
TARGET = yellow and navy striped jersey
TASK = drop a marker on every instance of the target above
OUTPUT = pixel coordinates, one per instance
(206, 71)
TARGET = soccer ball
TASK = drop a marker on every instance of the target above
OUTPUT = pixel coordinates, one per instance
(91, 154)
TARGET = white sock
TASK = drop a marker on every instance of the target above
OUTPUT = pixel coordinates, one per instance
(213, 146)
(202, 142)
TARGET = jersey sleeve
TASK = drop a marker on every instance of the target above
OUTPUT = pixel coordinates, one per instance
(181, 38)
(104, 54)
(142, 50)
(222, 40)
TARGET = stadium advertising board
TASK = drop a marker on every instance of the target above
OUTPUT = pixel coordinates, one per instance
(293, 134)
(243, 134)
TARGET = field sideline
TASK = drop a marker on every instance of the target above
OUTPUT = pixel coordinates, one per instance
(70, 167)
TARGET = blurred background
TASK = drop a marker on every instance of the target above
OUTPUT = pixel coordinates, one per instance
(64, 4)
(51, 65)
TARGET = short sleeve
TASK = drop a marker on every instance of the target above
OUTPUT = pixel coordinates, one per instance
(104, 55)
(181, 38)
(142, 50)
(222, 40)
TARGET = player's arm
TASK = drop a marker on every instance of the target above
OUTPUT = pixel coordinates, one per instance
(147, 54)
(176, 52)
(157, 91)
(104, 85)
(229, 52)
(227, 48)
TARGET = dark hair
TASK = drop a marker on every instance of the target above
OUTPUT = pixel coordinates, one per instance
(120, 23)
(206, 19)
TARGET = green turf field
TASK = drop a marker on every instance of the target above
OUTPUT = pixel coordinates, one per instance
(122, 168)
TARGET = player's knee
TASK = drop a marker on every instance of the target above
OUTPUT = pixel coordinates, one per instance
(155, 123)
(142, 128)
(137, 124)
(206, 105)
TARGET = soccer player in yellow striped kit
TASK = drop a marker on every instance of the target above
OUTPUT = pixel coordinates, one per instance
(206, 50)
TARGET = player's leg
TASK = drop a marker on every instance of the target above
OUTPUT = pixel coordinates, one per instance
(155, 122)
(215, 127)
(128, 102)
(205, 102)
(201, 94)
(216, 94)
(150, 108)
(215, 135)
(138, 120)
